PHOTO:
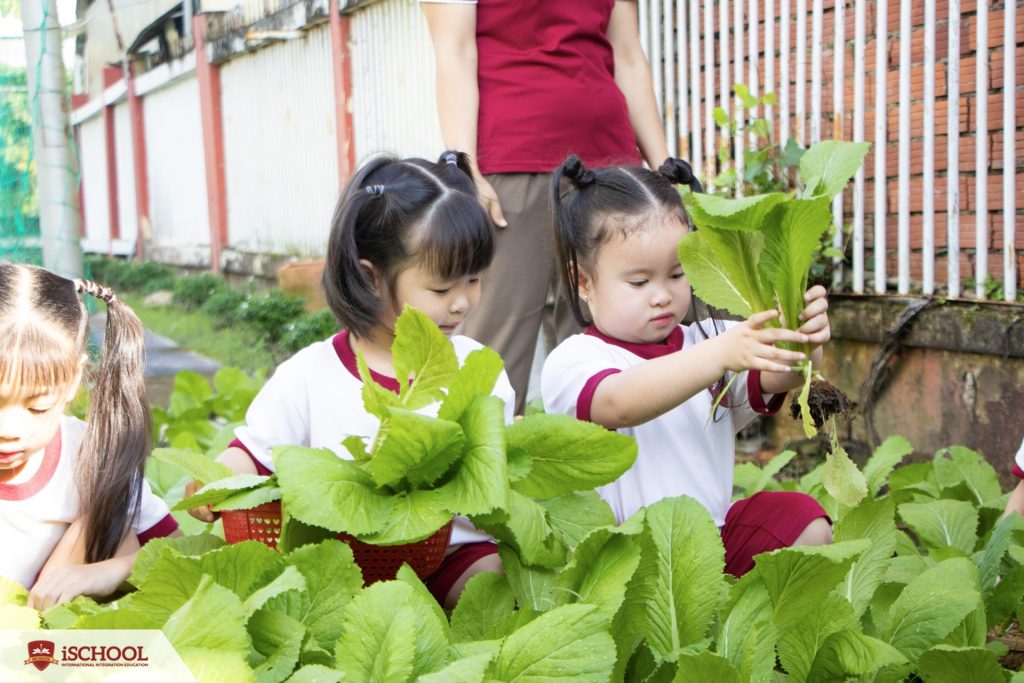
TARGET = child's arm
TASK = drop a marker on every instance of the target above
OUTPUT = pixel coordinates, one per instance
(238, 461)
(816, 327)
(1016, 502)
(645, 391)
(66, 574)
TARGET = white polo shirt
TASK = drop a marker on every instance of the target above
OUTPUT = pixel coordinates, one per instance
(39, 504)
(682, 452)
(315, 399)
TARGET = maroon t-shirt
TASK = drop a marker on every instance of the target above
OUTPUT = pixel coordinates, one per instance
(547, 86)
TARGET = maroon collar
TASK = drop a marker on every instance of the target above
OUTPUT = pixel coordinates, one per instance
(672, 343)
(29, 488)
(343, 347)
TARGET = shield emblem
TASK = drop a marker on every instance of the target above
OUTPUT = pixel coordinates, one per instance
(40, 654)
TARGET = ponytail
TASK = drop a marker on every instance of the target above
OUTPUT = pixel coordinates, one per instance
(571, 239)
(111, 462)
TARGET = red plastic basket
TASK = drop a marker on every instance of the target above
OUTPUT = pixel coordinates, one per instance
(377, 562)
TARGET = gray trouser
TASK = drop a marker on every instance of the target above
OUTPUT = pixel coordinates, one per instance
(515, 287)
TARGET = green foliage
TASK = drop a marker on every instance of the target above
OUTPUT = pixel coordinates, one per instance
(270, 313)
(193, 291)
(307, 329)
(144, 277)
(224, 305)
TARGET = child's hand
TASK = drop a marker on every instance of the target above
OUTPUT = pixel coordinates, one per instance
(66, 582)
(815, 317)
(204, 513)
(751, 345)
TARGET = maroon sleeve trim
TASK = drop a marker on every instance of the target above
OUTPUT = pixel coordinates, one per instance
(165, 527)
(756, 396)
(1017, 471)
(587, 394)
(260, 467)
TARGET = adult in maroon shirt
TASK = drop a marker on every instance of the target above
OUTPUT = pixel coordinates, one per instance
(521, 84)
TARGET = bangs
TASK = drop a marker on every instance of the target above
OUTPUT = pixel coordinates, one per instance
(456, 239)
(32, 359)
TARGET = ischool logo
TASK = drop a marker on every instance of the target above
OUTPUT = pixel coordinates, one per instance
(144, 656)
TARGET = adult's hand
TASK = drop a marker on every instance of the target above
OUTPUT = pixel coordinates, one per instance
(489, 200)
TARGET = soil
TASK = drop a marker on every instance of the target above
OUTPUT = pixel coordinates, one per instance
(824, 401)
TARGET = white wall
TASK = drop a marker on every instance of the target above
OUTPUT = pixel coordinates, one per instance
(393, 82)
(280, 146)
(93, 153)
(125, 173)
(174, 160)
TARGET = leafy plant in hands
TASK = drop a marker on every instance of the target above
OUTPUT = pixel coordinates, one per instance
(529, 484)
(753, 254)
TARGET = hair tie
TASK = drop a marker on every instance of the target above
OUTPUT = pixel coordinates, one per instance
(576, 172)
(105, 294)
(374, 190)
(451, 158)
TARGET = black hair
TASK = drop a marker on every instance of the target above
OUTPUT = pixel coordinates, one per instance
(43, 323)
(603, 202)
(396, 212)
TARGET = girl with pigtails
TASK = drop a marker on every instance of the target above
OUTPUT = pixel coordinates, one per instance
(640, 369)
(74, 505)
(406, 232)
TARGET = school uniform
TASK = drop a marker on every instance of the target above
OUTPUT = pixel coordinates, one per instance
(38, 505)
(685, 451)
(315, 399)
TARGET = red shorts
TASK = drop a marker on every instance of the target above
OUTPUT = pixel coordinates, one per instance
(455, 565)
(766, 521)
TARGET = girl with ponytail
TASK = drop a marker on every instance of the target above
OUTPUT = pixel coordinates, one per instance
(74, 505)
(640, 369)
(405, 232)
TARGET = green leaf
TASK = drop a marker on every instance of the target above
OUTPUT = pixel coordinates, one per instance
(842, 479)
(376, 399)
(827, 166)
(19, 617)
(468, 670)
(188, 546)
(990, 560)
(958, 466)
(276, 645)
(570, 642)
(214, 493)
(194, 464)
(532, 586)
(575, 515)
(706, 666)
(881, 463)
(791, 235)
(332, 580)
(761, 129)
(414, 516)
(568, 455)
(289, 580)
(12, 592)
(322, 489)
(792, 153)
(943, 523)
(873, 520)
(849, 652)
(600, 570)
(931, 606)
(769, 98)
(484, 608)
(390, 633)
(216, 666)
(417, 449)
(945, 664)
(421, 351)
(211, 621)
(248, 499)
(721, 118)
(681, 578)
(477, 377)
(316, 673)
(743, 92)
(711, 278)
(480, 483)
(746, 635)
(524, 526)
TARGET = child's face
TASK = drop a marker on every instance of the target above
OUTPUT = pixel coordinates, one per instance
(447, 302)
(636, 291)
(29, 419)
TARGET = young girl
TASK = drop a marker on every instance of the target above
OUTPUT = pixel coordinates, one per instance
(74, 506)
(405, 232)
(639, 370)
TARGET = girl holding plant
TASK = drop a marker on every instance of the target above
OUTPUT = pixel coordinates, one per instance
(74, 506)
(638, 369)
(405, 233)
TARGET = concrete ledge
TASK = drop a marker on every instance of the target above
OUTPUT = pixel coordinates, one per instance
(993, 328)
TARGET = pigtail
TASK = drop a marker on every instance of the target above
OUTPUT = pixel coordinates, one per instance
(569, 228)
(119, 427)
(679, 172)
